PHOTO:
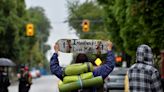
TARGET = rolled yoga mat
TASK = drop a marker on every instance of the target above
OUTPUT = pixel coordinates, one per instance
(76, 69)
(68, 79)
(93, 82)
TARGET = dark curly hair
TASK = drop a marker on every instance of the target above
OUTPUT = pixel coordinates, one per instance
(81, 58)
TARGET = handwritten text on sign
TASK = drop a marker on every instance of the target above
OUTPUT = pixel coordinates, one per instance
(83, 46)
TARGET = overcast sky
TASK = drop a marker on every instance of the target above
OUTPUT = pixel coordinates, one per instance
(56, 11)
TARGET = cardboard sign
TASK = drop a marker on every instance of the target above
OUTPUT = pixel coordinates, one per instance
(82, 46)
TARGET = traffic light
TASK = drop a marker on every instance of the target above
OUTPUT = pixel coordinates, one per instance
(85, 25)
(29, 29)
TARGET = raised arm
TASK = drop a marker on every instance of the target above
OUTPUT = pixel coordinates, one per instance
(105, 69)
(54, 64)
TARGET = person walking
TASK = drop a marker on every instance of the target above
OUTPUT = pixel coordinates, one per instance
(25, 79)
(4, 80)
(143, 76)
(103, 70)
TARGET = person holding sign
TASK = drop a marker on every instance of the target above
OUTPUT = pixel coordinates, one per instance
(84, 74)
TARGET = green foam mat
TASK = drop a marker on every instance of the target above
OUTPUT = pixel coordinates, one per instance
(93, 82)
(76, 69)
(68, 79)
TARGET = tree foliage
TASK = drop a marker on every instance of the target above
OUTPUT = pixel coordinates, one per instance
(14, 43)
(127, 23)
(137, 21)
(77, 12)
(9, 26)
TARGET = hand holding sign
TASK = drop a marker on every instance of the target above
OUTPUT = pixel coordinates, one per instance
(56, 47)
(110, 45)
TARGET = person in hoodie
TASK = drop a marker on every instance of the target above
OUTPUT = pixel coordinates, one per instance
(103, 70)
(143, 76)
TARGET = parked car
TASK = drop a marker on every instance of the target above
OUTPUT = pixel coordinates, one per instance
(35, 73)
(115, 80)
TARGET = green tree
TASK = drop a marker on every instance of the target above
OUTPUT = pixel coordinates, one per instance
(137, 22)
(14, 43)
(77, 12)
(37, 47)
(10, 23)
(90, 10)
(143, 22)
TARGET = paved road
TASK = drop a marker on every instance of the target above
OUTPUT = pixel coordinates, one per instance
(42, 84)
